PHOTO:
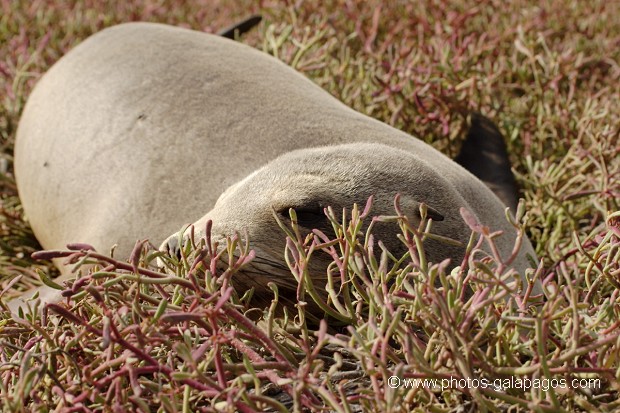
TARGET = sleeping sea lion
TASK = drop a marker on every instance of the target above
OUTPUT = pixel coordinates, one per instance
(144, 127)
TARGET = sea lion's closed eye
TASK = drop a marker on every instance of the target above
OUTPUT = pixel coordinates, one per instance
(308, 216)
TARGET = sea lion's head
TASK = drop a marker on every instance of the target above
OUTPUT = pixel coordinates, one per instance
(308, 181)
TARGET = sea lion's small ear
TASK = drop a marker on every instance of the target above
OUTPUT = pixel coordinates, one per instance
(412, 206)
(432, 213)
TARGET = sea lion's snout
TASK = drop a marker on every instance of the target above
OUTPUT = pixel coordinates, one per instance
(171, 247)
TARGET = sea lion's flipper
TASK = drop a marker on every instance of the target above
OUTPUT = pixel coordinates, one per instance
(240, 28)
(484, 155)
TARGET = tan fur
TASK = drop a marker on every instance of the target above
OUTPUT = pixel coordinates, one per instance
(139, 130)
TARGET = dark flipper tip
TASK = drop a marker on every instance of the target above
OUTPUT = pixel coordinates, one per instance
(241, 27)
(484, 154)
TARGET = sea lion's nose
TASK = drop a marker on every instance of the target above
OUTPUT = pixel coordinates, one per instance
(172, 248)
